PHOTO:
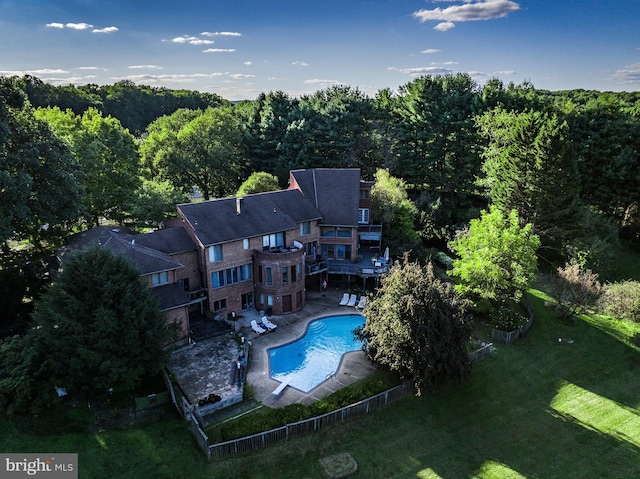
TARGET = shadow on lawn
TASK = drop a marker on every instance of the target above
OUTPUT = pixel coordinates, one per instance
(539, 408)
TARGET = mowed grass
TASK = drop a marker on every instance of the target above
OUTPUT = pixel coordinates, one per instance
(538, 409)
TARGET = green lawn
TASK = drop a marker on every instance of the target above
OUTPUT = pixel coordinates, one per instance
(537, 409)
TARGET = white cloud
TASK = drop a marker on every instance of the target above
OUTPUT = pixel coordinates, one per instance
(422, 70)
(219, 50)
(221, 34)
(468, 11)
(82, 26)
(431, 51)
(248, 63)
(170, 78)
(300, 63)
(88, 68)
(627, 74)
(241, 76)
(444, 26)
(79, 26)
(105, 30)
(192, 40)
(144, 67)
(318, 81)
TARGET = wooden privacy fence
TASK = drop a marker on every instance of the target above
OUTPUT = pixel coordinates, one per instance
(268, 438)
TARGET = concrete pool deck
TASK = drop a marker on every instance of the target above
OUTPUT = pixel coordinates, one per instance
(353, 367)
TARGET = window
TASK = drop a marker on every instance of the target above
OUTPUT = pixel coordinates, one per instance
(328, 232)
(269, 276)
(217, 279)
(343, 251)
(327, 251)
(285, 275)
(247, 300)
(261, 299)
(293, 273)
(299, 271)
(184, 282)
(230, 276)
(344, 232)
(245, 243)
(269, 300)
(274, 240)
(245, 272)
(305, 228)
(363, 216)
(364, 194)
(220, 305)
(215, 253)
(160, 278)
(260, 278)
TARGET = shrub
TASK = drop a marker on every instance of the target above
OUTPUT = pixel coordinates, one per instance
(622, 300)
(265, 420)
(507, 317)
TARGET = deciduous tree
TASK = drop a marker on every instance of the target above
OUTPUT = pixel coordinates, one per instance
(496, 257)
(418, 326)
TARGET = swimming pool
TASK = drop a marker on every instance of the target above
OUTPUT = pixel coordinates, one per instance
(314, 357)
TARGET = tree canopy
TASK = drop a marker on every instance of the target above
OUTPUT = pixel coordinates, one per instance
(418, 325)
(97, 328)
(497, 257)
(39, 178)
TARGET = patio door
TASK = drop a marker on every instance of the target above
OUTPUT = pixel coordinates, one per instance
(286, 303)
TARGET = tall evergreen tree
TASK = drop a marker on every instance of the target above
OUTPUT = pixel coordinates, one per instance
(96, 329)
(531, 167)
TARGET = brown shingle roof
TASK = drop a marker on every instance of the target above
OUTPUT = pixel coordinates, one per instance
(217, 221)
(335, 192)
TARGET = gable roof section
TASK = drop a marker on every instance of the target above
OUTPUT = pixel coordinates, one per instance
(217, 221)
(119, 241)
(171, 296)
(334, 191)
(168, 240)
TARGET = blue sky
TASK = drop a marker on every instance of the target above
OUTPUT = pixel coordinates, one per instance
(240, 48)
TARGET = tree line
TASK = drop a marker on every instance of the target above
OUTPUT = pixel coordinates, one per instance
(567, 162)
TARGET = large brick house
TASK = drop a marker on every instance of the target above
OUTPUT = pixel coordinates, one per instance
(258, 251)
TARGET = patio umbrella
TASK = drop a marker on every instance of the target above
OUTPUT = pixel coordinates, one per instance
(386, 253)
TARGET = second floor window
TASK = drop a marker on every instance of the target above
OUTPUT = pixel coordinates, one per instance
(215, 253)
(305, 228)
(230, 276)
(160, 278)
(274, 240)
(363, 216)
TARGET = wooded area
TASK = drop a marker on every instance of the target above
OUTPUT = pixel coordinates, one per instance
(567, 162)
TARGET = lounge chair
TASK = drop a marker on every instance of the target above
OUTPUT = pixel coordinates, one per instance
(268, 324)
(345, 299)
(362, 302)
(256, 328)
(352, 300)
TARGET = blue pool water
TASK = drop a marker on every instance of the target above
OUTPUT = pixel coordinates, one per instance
(309, 360)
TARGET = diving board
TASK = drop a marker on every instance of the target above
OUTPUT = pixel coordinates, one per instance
(280, 388)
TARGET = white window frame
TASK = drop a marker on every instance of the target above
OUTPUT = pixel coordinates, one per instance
(363, 216)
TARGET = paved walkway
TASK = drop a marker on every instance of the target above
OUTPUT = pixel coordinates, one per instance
(354, 365)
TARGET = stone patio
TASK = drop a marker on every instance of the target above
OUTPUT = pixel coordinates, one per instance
(208, 367)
